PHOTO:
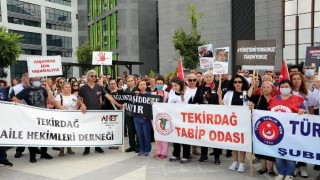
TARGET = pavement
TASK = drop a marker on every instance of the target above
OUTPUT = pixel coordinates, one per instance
(118, 165)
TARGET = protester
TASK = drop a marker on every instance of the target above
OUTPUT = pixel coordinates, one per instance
(286, 102)
(199, 79)
(133, 142)
(237, 96)
(121, 85)
(75, 88)
(91, 98)
(177, 95)
(161, 146)
(152, 85)
(295, 69)
(143, 125)
(66, 101)
(261, 102)
(36, 96)
(206, 94)
(4, 90)
(59, 82)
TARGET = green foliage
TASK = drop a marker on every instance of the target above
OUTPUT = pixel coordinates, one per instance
(84, 53)
(152, 74)
(173, 73)
(9, 47)
(187, 43)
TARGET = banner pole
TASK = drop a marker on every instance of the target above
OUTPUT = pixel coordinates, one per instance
(251, 157)
(220, 81)
(101, 70)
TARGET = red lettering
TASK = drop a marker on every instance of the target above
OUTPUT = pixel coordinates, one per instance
(190, 118)
(183, 116)
(178, 130)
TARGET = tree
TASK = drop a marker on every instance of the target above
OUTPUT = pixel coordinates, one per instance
(9, 47)
(187, 43)
(84, 53)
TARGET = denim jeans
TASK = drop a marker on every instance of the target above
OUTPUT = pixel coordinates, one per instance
(143, 128)
(285, 167)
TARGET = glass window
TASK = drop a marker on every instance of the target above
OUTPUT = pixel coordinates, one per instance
(304, 36)
(317, 19)
(304, 6)
(290, 22)
(288, 52)
(302, 51)
(290, 7)
(290, 37)
(317, 6)
(317, 35)
(305, 20)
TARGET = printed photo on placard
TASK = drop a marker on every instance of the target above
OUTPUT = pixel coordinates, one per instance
(205, 50)
(206, 62)
(221, 54)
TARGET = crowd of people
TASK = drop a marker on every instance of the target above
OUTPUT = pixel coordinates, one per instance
(300, 94)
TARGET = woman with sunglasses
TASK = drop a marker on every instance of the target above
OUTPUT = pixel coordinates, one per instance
(286, 101)
(206, 94)
(260, 102)
(177, 95)
(75, 88)
(66, 101)
(237, 96)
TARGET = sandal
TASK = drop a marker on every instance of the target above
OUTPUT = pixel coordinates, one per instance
(260, 172)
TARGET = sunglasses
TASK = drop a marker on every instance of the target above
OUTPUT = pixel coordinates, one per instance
(75, 85)
(235, 82)
(190, 80)
(93, 76)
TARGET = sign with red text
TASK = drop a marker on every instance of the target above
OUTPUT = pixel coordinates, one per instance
(39, 66)
(225, 127)
(101, 58)
(34, 126)
(287, 136)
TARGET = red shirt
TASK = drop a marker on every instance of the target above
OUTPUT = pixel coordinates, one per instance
(292, 104)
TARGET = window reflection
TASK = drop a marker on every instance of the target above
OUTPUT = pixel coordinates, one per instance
(304, 6)
(290, 7)
(290, 22)
(288, 52)
(290, 37)
(302, 51)
(305, 20)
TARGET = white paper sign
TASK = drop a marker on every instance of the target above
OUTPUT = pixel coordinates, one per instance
(40, 66)
(101, 58)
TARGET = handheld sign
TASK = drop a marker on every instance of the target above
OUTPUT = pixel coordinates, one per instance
(101, 58)
(312, 56)
(40, 66)
(221, 58)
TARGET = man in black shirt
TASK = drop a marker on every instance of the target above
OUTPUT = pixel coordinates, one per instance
(36, 96)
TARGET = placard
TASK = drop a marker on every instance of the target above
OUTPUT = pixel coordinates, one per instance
(40, 66)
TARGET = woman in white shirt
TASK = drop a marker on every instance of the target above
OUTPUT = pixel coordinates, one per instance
(66, 101)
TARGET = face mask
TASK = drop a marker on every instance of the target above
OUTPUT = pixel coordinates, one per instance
(285, 91)
(309, 72)
(159, 87)
(241, 74)
(36, 84)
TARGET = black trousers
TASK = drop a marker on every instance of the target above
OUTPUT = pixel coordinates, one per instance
(185, 151)
(204, 152)
(20, 149)
(132, 133)
(33, 151)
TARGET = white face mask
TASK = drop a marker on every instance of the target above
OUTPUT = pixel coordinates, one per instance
(285, 91)
(309, 72)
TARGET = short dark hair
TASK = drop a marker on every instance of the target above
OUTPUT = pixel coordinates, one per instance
(284, 81)
(296, 67)
(199, 73)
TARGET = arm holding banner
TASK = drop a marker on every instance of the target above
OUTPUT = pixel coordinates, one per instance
(83, 107)
(110, 98)
(220, 96)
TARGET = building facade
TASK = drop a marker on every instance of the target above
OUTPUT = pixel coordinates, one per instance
(49, 27)
(128, 29)
(294, 24)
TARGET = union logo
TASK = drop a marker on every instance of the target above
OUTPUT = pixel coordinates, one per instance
(163, 124)
(269, 130)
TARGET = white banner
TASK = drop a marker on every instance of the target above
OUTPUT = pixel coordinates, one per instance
(23, 125)
(287, 135)
(101, 58)
(226, 127)
(39, 66)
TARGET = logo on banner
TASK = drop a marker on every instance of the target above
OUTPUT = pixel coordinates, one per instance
(109, 120)
(163, 124)
(269, 130)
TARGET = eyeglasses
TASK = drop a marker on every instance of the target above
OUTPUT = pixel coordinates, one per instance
(93, 76)
(268, 71)
(75, 85)
(235, 82)
(190, 80)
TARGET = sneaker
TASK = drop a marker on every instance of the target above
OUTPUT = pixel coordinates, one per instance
(46, 156)
(99, 150)
(279, 177)
(86, 152)
(303, 172)
(163, 156)
(296, 171)
(185, 160)
(234, 166)
(140, 154)
(146, 154)
(256, 161)
(173, 158)
(242, 167)
(288, 178)
(203, 159)
(217, 160)
(18, 155)
(33, 160)
(130, 149)
(6, 163)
